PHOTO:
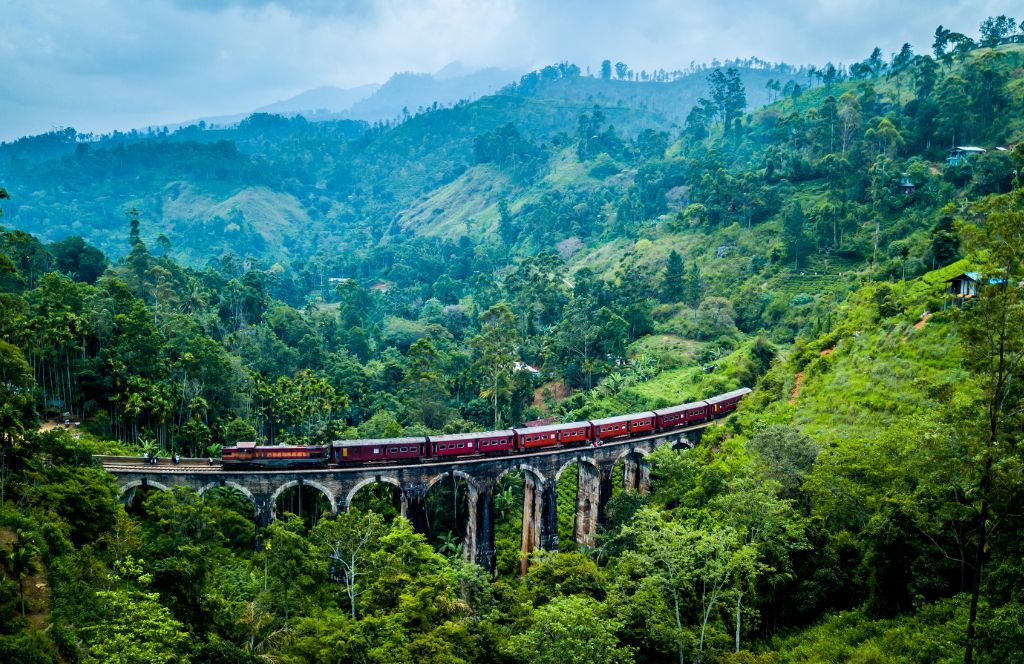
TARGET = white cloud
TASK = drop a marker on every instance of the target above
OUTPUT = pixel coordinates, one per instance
(105, 64)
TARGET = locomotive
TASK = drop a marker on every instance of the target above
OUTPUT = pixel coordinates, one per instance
(526, 439)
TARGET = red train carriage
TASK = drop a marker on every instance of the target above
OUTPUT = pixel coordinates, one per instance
(610, 427)
(575, 432)
(481, 442)
(552, 435)
(382, 449)
(640, 422)
(249, 454)
(683, 414)
(623, 425)
(725, 403)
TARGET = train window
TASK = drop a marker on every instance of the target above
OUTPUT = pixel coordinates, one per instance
(469, 445)
(403, 449)
(461, 445)
(376, 450)
(394, 450)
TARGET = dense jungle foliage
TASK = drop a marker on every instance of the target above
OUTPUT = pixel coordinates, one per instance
(528, 255)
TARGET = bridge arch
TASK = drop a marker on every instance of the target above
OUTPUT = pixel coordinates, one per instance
(470, 480)
(304, 482)
(538, 477)
(233, 485)
(385, 479)
(147, 483)
(579, 459)
(636, 451)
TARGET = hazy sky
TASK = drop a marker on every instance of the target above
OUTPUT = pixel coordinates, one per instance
(98, 65)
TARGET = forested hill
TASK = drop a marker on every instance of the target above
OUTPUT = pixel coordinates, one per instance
(284, 187)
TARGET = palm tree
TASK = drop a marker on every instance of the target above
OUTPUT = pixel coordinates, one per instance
(21, 561)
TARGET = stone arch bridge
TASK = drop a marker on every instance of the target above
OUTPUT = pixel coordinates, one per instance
(541, 471)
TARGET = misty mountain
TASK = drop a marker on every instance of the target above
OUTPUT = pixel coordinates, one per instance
(412, 91)
(326, 98)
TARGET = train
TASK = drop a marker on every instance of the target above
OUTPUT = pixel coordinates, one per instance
(249, 455)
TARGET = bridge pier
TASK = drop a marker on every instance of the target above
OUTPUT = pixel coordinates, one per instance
(588, 500)
(478, 545)
(549, 517)
(414, 506)
(636, 473)
(643, 481)
(630, 473)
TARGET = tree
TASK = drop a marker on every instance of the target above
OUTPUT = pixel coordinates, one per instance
(673, 284)
(75, 257)
(575, 338)
(680, 558)
(606, 70)
(849, 119)
(345, 545)
(992, 331)
(996, 28)
(786, 456)
(494, 351)
(620, 70)
(716, 318)
(793, 233)
(21, 561)
(940, 42)
(135, 629)
(728, 96)
(570, 630)
(238, 430)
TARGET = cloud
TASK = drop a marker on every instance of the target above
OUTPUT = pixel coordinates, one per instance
(98, 65)
(315, 8)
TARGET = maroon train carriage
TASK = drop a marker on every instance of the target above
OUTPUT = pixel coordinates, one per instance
(640, 422)
(623, 425)
(380, 449)
(725, 403)
(610, 427)
(480, 442)
(552, 435)
(681, 415)
(575, 432)
(249, 454)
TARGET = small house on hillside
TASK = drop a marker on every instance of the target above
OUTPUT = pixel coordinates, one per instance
(963, 286)
(960, 154)
(907, 186)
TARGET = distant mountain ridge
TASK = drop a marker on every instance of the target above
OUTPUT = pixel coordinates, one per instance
(325, 98)
(287, 184)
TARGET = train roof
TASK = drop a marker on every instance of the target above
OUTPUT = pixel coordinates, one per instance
(729, 395)
(552, 427)
(473, 435)
(366, 442)
(683, 407)
(621, 418)
(252, 445)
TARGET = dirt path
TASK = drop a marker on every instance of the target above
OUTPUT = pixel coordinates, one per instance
(796, 387)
